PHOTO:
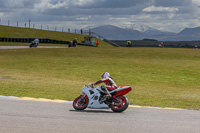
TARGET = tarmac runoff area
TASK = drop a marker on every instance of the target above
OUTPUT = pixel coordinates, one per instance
(24, 47)
(27, 116)
(64, 101)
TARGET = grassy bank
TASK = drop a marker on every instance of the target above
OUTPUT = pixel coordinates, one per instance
(16, 32)
(160, 77)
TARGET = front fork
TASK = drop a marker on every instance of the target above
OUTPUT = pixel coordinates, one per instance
(83, 97)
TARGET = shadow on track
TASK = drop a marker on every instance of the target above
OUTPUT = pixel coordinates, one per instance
(92, 111)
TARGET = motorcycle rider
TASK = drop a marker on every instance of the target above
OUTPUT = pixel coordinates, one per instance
(74, 42)
(128, 44)
(34, 43)
(110, 84)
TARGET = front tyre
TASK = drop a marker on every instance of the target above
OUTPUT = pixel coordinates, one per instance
(80, 103)
(119, 104)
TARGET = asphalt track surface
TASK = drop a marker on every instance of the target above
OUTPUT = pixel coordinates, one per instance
(27, 116)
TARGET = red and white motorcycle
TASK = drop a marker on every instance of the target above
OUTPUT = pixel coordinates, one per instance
(95, 98)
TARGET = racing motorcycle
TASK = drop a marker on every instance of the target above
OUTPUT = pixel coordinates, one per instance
(34, 43)
(95, 98)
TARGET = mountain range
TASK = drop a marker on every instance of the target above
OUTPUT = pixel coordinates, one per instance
(135, 32)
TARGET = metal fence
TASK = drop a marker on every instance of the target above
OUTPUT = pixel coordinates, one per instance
(30, 24)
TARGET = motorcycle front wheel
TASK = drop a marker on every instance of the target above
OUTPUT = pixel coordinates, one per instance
(119, 104)
(80, 103)
(31, 46)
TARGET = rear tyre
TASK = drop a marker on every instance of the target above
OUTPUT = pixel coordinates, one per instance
(80, 103)
(120, 104)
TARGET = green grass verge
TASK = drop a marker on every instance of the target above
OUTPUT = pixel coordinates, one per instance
(160, 77)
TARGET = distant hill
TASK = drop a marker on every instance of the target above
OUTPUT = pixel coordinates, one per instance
(157, 33)
(138, 27)
(148, 31)
(115, 33)
(190, 31)
(187, 34)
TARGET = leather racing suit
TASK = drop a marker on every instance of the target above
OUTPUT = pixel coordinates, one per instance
(110, 84)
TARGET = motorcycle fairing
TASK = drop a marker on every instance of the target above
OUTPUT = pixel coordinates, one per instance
(122, 90)
(93, 96)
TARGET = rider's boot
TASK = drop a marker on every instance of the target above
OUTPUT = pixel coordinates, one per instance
(106, 92)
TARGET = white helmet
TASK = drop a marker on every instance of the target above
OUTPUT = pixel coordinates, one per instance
(105, 75)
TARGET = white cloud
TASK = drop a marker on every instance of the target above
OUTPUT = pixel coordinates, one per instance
(82, 3)
(196, 2)
(83, 18)
(160, 9)
(58, 5)
(80, 13)
(47, 4)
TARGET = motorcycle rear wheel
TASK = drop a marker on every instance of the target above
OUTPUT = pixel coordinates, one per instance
(120, 105)
(80, 103)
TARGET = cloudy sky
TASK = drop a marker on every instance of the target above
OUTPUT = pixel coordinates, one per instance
(168, 15)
